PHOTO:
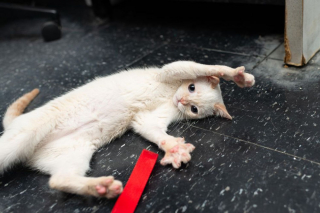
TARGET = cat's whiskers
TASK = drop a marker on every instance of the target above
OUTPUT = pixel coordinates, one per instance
(179, 118)
(188, 122)
(184, 117)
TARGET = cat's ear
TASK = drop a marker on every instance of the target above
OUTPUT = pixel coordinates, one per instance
(214, 80)
(220, 109)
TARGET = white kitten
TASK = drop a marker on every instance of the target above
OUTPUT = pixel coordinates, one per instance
(60, 137)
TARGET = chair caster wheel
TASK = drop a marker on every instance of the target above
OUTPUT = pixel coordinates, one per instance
(51, 31)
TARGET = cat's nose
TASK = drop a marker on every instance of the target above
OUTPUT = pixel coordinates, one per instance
(183, 101)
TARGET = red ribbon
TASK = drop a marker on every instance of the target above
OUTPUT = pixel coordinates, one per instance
(128, 200)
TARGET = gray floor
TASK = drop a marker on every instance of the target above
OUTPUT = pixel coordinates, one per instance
(264, 160)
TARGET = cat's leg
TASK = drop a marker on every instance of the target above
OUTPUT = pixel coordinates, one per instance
(238, 75)
(78, 184)
(175, 148)
(67, 161)
(153, 127)
(181, 70)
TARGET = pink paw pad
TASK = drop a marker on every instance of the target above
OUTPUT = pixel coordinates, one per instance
(116, 188)
(174, 149)
(101, 190)
(237, 78)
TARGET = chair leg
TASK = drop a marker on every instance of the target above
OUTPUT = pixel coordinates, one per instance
(102, 8)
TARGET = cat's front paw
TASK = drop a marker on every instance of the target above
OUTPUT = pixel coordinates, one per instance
(177, 152)
(243, 79)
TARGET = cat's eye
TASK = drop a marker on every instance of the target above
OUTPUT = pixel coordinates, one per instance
(191, 88)
(194, 109)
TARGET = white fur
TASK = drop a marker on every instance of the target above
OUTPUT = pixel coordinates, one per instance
(60, 137)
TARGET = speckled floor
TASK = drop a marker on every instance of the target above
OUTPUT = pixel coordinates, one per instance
(265, 160)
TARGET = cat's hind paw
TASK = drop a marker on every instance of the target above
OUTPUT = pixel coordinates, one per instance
(108, 187)
(179, 153)
(243, 79)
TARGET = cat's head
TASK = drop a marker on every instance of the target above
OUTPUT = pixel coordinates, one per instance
(200, 98)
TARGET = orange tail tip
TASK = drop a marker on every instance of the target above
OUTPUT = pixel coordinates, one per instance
(34, 92)
(17, 107)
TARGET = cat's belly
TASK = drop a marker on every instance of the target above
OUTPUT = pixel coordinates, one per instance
(92, 125)
(88, 134)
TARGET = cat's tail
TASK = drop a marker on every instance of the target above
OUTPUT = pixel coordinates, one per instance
(17, 107)
(23, 133)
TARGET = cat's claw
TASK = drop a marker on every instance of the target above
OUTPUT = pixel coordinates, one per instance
(178, 153)
(243, 79)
